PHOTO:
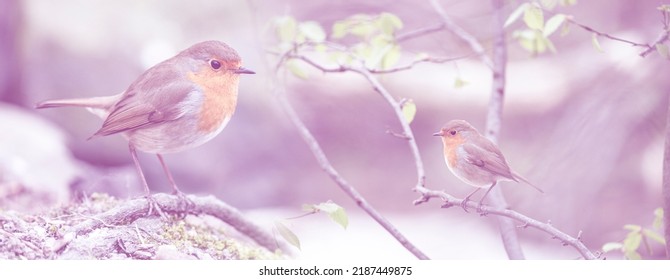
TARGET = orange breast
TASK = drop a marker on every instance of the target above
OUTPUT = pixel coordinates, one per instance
(450, 149)
(220, 92)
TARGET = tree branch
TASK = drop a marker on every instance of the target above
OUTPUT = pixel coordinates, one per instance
(666, 184)
(461, 33)
(420, 32)
(339, 180)
(448, 201)
(493, 123)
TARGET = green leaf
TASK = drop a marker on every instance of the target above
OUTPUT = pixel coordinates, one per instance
(595, 43)
(553, 24)
(391, 57)
(632, 241)
(408, 110)
(568, 2)
(287, 234)
(312, 30)
(459, 83)
(549, 4)
(339, 29)
(654, 236)
(632, 227)
(658, 218)
(335, 212)
(612, 246)
(662, 49)
(534, 17)
(389, 23)
(632, 255)
(515, 15)
(565, 29)
(296, 69)
(286, 29)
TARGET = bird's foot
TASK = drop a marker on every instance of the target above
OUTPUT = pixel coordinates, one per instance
(464, 204)
(154, 206)
(184, 204)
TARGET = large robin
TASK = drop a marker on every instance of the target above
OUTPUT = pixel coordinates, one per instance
(176, 105)
(474, 159)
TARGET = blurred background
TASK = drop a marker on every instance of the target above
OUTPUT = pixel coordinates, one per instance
(585, 126)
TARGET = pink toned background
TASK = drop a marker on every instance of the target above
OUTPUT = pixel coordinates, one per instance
(585, 126)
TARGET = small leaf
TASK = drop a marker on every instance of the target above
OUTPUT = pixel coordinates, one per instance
(654, 236)
(335, 212)
(664, 8)
(389, 23)
(612, 246)
(565, 29)
(553, 24)
(296, 69)
(534, 17)
(339, 29)
(662, 49)
(312, 30)
(634, 228)
(568, 2)
(515, 15)
(549, 4)
(340, 217)
(287, 234)
(658, 218)
(595, 43)
(633, 255)
(286, 28)
(632, 242)
(320, 48)
(459, 83)
(409, 110)
(391, 57)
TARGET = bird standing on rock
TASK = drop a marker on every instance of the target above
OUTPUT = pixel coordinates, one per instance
(175, 105)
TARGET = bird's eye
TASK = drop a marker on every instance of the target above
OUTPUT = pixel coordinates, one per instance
(453, 132)
(215, 64)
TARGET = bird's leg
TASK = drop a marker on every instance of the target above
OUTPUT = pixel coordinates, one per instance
(147, 193)
(466, 199)
(479, 208)
(187, 203)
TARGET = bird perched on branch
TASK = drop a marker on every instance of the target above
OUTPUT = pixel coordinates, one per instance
(175, 105)
(474, 159)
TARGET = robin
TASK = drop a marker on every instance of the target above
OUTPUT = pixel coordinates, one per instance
(475, 159)
(175, 105)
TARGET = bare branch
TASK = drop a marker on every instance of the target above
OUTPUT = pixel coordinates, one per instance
(448, 200)
(420, 32)
(340, 181)
(648, 48)
(461, 33)
(666, 184)
(603, 34)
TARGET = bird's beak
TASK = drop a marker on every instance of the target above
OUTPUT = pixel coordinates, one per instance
(243, 70)
(439, 133)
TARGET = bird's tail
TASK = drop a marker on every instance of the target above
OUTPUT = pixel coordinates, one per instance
(99, 106)
(103, 102)
(521, 178)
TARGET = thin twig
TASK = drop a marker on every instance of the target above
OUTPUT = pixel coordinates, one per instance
(461, 33)
(603, 34)
(340, 181)
(448, 200)
(420, 32)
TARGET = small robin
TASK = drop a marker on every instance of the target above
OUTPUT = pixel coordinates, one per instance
(175, 105)
(475, 159)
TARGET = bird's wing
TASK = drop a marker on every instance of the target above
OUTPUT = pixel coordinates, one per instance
(488, 157)
(152, 99)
